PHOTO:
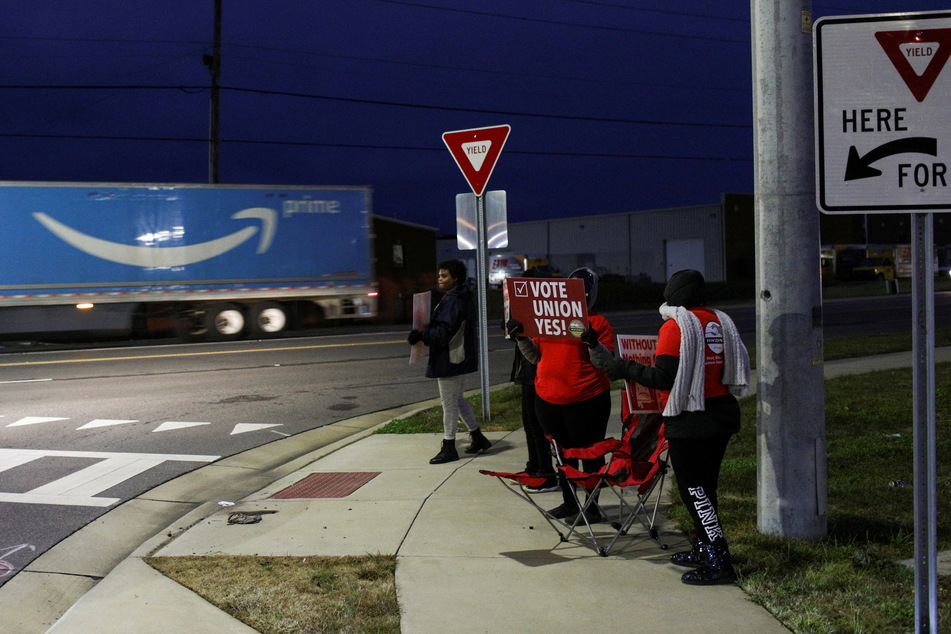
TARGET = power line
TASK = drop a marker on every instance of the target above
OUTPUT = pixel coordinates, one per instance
(466, 69)
(367, 146)
(616, 29)
(395, 104)
(687, 14)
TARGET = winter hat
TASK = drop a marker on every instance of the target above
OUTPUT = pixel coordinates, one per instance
(686, 288)
(590, 279)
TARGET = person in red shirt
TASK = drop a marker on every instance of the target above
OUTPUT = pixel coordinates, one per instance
(700, 364)
(572, 396)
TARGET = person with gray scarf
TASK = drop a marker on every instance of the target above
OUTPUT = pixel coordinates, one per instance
(700, 366)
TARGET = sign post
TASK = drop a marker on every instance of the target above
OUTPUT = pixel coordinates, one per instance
(883, 132)
(476, 151)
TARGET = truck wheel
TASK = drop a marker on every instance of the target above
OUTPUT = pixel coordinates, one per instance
(189, 326)
(225, 322)
(267, 319)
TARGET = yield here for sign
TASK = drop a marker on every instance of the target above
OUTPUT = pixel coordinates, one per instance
(547, 308)
(919, 56)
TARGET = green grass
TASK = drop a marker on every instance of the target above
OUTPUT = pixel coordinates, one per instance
(505, 406)
(295, 594)
(868, 345)
(848, 582)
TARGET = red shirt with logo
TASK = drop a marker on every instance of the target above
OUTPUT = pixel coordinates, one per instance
(668, 343)
(565, 373)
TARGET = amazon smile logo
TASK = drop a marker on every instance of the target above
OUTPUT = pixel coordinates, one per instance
(167, 257)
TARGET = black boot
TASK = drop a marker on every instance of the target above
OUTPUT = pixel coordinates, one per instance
(446, 454)
(689, 558)
(716, 567)
(593, 511)
(477, 442)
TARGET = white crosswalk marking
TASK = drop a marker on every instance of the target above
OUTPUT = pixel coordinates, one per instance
(104, 422)
(239, 428)
(243, 428)
(35, 420)
(80, 487)
(176, 425)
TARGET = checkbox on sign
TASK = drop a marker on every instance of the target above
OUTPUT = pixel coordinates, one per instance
(521, 289)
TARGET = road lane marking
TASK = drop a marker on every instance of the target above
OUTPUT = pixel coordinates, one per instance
(238, 428)
(81, 487)
(195, 354)
(104, 422)
(243, 428)
(35, 420)
(167, 426)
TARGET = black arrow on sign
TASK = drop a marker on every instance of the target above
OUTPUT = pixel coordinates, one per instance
(861, 166)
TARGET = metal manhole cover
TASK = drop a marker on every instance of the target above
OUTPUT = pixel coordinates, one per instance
(327, 485)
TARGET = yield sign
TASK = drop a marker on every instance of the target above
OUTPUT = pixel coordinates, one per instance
(476, 152)
(918, 56)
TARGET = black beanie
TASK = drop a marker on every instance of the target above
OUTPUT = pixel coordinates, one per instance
(686, 288)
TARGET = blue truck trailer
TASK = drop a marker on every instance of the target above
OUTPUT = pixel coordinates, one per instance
(212, 262)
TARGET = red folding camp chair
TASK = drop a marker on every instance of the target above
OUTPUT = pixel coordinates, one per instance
(635, 471)
(635, 463)
(562, 526)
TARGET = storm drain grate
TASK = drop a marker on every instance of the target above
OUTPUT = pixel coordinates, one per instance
(327, 485)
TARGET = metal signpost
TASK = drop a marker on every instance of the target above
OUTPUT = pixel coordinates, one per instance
(476, 151)
(883, 144)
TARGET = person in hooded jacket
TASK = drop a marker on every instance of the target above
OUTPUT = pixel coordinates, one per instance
(453, 353)
(700, 365)
(572, 396)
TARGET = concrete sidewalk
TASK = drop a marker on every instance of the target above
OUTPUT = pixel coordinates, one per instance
(471, 557)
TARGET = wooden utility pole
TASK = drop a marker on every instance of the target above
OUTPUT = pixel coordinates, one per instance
(213, 62)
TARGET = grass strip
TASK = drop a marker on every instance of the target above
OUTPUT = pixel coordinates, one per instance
(278, 595)
(849, 582)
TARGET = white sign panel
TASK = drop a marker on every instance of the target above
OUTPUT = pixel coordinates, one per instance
(467, 221)
(883, 113)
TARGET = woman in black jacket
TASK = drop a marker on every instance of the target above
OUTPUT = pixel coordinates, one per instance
(453, 352)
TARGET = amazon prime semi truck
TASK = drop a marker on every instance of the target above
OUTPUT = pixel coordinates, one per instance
(205, 261)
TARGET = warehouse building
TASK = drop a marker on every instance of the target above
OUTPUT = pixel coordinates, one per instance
(716, 239)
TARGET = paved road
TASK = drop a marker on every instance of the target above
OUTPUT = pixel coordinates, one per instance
(83, 430)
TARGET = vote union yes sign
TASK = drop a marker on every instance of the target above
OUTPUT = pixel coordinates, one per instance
(883, 113)
(554, 308)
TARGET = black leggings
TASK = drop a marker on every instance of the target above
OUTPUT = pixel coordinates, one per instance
(576, 425)
(696, 463)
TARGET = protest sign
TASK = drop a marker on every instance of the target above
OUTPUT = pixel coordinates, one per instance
(421, 309)
(554, 308)
(640, 348)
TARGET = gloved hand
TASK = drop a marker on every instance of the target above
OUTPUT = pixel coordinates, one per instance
(514, 328)
(616, 369)
(415, 336)
(590, 336)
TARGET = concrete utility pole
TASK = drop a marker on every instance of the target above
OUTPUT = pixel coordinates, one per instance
(791, 445)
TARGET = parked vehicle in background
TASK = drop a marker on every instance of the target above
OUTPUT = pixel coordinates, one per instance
(874, 269)
(543, 270)
(503, 266)
(865, 261)
(206, 261)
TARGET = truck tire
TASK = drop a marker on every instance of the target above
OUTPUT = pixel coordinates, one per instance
(190, 326)
(267, 319)
(225, 322)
